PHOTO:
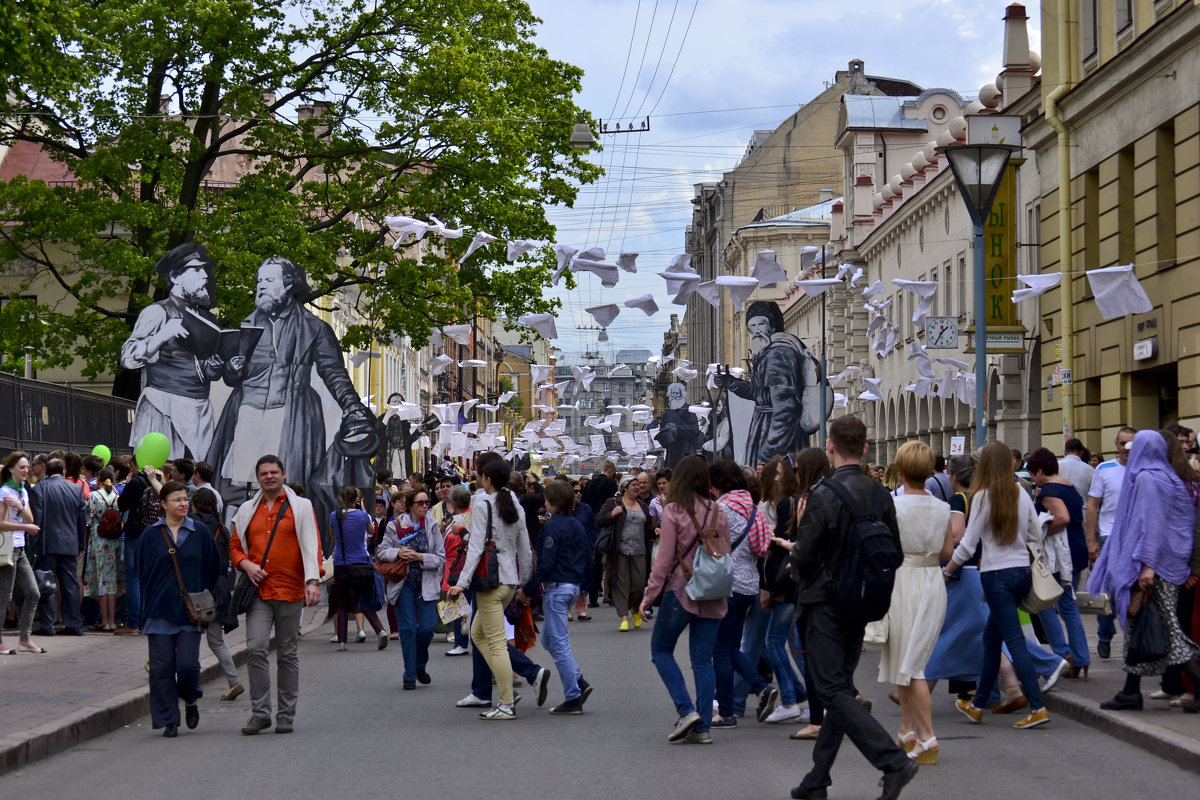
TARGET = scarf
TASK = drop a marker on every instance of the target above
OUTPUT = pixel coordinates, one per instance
(1154, 526)
(420, 543)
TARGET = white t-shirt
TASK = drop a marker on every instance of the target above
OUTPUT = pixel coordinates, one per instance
(15, 514)
(1106, 485)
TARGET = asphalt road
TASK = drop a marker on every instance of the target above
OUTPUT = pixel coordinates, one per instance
(358, 735)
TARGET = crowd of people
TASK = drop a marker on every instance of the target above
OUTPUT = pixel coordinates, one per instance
(512, 547)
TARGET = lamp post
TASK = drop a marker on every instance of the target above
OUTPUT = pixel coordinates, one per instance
(977, 170)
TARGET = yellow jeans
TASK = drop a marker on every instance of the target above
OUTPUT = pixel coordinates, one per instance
(487, 631)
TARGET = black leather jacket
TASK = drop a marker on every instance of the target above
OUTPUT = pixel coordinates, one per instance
(821, 533)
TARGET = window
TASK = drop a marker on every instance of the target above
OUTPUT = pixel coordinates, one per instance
(606, 386)
(1164, 188)
(962, 284)
(1087, 28)
(1122, 15)
(933, 307)
(1126, 251)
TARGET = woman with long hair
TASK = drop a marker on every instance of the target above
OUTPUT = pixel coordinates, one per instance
(17, 521)
(104, 572)
(632, 541)
(173, 639)
(204, 509)
(1146, 560)
(918, 599)
(797, 475)
(423, 547)
(687, 500)
(496, 516)
(352, 573)
(1003, 520)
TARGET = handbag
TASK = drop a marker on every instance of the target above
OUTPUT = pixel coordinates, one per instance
(487, 572)
(395, 571)
(245, 590)
(46, 582)
(1147, 639)
(711, 574)
(375, 599)
(1044, 588)
(877, 632)
(201, 607)
(6, 549)
(604, 538)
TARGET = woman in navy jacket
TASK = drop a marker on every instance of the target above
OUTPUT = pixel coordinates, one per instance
(174, 641)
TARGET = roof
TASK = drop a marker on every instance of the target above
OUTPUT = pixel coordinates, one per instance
(820, 214)
(31, 160)
(879, 113)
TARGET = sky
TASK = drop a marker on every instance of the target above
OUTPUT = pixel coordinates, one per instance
(709, 73)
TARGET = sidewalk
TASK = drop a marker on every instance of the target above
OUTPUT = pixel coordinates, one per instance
(85, 687)
(1164, 731)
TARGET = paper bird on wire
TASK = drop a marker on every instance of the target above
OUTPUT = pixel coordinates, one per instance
(439, 228)
(479, 240)
(766, 269)
(402, 226)
(1038, 284)
(645, 302)
(627, 262)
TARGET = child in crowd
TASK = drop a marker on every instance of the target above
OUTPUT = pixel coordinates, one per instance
(563, 555)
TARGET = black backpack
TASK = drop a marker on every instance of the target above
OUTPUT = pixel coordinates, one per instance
(862, 586)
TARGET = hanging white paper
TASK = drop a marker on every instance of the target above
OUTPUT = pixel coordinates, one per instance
(439, 363)
(710, 292)
(542, 323)
(518, 248)
(627, 262)
(766, 269)
(1038, 284)
(438, 227)
(605, 314)
(1118, 292)
(923, 289)
(815, 287)
(477, 241)
(740, 288)
(645, 302)
(538, 373)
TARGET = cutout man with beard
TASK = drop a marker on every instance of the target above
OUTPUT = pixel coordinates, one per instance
(784, 385)
(275, 409)
(680, 432)
(175, 382)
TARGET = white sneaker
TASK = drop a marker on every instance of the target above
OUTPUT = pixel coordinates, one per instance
(783, 714)
(471, 701)
(333, 639)
(1052, 681)
(457, 650)
(362, 637)
(803, 716)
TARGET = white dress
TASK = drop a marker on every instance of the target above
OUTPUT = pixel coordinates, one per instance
(919, 595)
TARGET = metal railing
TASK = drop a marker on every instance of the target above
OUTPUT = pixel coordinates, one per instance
(38, 417)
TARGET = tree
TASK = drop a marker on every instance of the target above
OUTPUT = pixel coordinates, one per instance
(330, 115)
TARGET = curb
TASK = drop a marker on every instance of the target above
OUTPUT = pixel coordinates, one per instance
(1154, 739)
(90, 722)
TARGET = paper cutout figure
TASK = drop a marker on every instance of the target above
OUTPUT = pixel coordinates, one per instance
(710, 292)
(459, 333)
(679, 431)
(274, 407)
(518, 248)
(1038, 284)
(479, 240)
(766, 269)
(542, 323)
(784, 387)
(438, 227)
(1118, 292)
(923, 289)
(402, 226)
(439, 363)
(605, 314)
(645, 302)
(740, 288)
(395, 448)
(563, 254)
(608, 274)
(627, 262)
(815, 287)
(176, 377)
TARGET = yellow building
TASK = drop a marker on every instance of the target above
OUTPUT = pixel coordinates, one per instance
(1118, 148)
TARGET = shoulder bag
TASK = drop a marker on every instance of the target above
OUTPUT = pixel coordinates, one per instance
(711, 575)
(201, 607)
(244, 591)
(1045, 589)
(487, 572)
(393, 570)
(1147, 638)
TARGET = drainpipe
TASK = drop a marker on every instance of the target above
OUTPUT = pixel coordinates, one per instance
(1065, 260)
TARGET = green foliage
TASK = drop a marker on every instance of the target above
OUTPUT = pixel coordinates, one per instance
(181, 121)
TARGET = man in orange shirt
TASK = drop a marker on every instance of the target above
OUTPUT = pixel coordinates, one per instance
(287, 580)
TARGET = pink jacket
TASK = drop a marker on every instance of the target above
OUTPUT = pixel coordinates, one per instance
(678, 538)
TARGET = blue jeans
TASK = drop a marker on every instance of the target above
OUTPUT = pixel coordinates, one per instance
(1004, 588)
(559, 599)
(779, 628)
(133, 590)
(669, 623)
(728, 658)
(1075, 642)
(754, 636)
(416, 619)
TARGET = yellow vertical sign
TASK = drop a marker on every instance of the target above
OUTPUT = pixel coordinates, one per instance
(1000, 253)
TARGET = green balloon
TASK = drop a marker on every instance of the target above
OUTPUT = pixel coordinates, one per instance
(103, 453)
(153, 450)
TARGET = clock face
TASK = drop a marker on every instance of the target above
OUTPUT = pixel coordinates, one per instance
(941, 332)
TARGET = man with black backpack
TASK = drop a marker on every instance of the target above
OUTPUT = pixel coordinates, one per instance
(844, 562)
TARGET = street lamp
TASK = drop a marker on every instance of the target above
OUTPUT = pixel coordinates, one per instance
(977, 170)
